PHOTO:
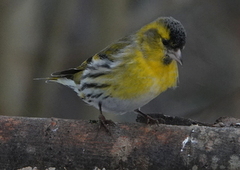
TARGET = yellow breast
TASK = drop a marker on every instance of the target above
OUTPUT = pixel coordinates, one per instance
(144, 76)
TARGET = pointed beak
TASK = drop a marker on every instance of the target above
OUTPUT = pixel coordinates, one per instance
(175, 55)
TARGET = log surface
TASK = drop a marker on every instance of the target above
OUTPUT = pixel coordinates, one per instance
(77, 144)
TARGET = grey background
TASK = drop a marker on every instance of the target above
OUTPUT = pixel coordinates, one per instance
(39, 37)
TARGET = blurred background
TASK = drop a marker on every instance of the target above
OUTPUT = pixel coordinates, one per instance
(39, 37)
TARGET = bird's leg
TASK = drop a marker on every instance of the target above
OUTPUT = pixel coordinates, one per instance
(103, 121)
(150, 120)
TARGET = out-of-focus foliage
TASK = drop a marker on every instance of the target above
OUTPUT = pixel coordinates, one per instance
(40, 37)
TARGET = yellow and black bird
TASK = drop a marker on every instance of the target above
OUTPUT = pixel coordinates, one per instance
(130, 72)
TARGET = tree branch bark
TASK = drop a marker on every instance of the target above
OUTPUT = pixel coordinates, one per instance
(77, 144)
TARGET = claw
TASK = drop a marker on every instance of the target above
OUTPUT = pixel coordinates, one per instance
(151, 120)
(104, 122)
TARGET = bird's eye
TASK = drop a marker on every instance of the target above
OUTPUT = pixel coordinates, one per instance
(165, 42)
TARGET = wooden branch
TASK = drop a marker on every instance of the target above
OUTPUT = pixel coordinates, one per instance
(77, 144)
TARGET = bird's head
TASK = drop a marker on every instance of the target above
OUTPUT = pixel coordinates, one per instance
(175, 39)
(166, 35)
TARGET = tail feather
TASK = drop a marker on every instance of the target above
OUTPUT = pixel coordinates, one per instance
(68, 74)
(64, 73)
(66, 77)
(48, 79)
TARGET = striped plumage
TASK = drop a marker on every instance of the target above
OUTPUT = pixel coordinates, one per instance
(131, 72)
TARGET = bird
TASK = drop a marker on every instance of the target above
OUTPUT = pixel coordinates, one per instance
(130, 72)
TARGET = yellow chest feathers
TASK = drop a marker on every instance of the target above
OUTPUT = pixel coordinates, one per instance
(146, 77)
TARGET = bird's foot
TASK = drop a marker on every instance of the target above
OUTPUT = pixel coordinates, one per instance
(151, 120)
(105, 123)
